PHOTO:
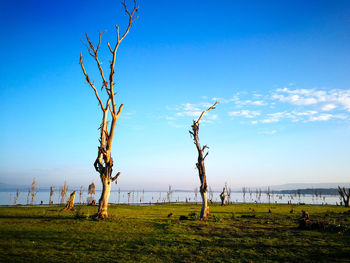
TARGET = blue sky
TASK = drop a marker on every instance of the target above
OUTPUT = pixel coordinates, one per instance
(280, 70)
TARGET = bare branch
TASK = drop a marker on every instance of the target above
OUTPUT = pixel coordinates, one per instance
(95, 56)
(117, 27)
(87, 47)
(205, 156)
(131, 18)
(110, 49)
(120, 110)
(204, 112)
(90, 83)
(115, 177)
(205, 147)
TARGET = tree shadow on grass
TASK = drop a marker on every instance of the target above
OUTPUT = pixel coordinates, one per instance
(47, 217)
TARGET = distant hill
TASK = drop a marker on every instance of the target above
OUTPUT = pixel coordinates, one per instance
(307, 186)
(310, 191)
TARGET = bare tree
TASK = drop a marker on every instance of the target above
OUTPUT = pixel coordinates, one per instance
(169, 194)
(229, 195)
(63, 192)
(244, 191)
(195, 193)
(34, 190)
(268, 193)
(16, 197)
(81, 189)
(104, 162)
(345, 195)
(91, 192)
(200, 163)
(52, 190)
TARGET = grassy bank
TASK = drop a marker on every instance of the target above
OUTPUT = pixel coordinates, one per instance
(147, 234)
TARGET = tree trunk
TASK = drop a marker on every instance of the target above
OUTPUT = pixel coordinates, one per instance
(103, 202)
(222, 197)
(205, 209)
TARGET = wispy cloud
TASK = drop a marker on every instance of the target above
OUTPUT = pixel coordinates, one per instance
(327, 100)
(321, 117)
(300, 105)
(193, 110)
(288, 104)
(244, 113)
(329, 107)
(269, 132)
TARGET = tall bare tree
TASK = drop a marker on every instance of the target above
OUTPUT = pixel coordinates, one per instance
(200, 162)
(345, 195)
(104, 162)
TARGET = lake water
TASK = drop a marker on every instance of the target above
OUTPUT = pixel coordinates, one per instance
(152, 197)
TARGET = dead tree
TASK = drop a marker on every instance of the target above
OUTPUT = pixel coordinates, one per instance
(63, 192)
(91, 192)
(244, 191)
(169, 194)
(33, 190)
(16, 197)
(195, 194)
(223, 196)
(81, 189)
(200, 163)
(345, 195)
(104, 162)
(52, 190)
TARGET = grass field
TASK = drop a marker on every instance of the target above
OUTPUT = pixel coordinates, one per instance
(146, 234)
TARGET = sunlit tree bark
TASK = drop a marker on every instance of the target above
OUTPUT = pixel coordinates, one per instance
(104, 162)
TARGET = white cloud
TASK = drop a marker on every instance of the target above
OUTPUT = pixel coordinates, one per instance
(269, 132)
(188, 113)
(244, 113)
(342, 97)
(330, 99)
(305, 113)
(321, 117)
(294, 99)
(259, 103)
(190, 107)
(328, 107)
(284, 104)
(212, 116)
(191, 110)
(272, 120)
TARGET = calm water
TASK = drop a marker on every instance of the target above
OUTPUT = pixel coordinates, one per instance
(138, 197)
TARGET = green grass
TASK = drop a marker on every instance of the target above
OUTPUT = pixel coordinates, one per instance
(146, 234)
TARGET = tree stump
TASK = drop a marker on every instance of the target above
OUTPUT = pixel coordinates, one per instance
(70, 203)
